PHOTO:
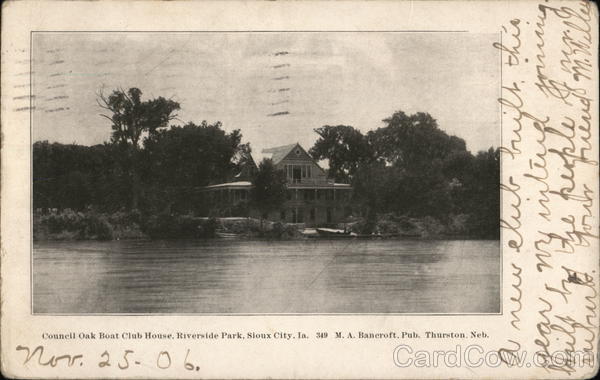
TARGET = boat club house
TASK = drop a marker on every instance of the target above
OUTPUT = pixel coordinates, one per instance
(312, 198)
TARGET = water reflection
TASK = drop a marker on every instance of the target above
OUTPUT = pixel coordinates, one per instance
(309, 276)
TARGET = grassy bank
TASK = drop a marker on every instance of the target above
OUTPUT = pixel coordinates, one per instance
(91, 225)
(454, 227)
(70, 225)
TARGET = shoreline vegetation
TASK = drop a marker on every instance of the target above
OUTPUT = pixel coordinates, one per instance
(89, 225)
(408, 178)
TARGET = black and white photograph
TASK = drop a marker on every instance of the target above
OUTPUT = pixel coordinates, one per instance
(255, 172)
(299, 189)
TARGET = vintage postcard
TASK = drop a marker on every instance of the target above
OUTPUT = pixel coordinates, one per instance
(299, 189)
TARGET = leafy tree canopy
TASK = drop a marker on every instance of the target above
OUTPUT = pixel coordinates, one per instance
(410, 141)
(344, 147)
(192, 155)
(412, 167)
(131, 117)
(269, 187)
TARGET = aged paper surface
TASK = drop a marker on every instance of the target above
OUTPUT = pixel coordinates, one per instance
(518, 76)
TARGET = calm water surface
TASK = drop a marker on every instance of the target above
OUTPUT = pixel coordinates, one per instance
(241, 276)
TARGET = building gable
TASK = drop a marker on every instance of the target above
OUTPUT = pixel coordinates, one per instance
(297, 153)
(289, 154)
(301, 168)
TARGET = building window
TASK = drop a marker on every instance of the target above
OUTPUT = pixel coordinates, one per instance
(306, 171)
(282, 215)
(312, 214)
(300, 216)
(329, 215)
(297, 174)
(289, 195)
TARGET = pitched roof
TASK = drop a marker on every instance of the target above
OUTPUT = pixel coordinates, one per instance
(278, 153)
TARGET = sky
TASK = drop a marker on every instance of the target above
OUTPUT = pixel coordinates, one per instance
(275, 87)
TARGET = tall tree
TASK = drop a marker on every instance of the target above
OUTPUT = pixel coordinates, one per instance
(192, 155)
(373, 186)
(411, 141)
(76, 176)
(484, 193)
(269, 188)
(130, 119)
(418, 151)
(344, 147)
(180, 159)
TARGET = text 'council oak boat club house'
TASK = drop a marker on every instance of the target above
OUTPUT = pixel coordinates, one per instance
(312, 198)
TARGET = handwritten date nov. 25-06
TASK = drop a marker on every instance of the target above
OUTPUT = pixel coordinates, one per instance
(122, 360)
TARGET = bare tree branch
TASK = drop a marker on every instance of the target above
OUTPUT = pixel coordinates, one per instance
(108, 117)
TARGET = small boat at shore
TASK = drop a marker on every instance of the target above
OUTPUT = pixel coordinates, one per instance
(226, 235)
(335, 233)
(309, 233)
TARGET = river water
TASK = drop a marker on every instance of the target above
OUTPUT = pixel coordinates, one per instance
(257, 276)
